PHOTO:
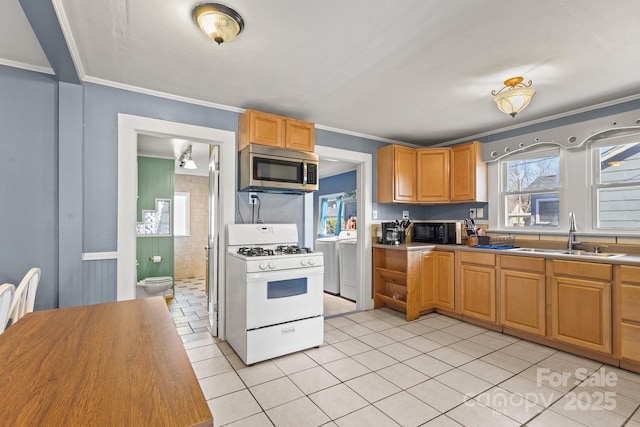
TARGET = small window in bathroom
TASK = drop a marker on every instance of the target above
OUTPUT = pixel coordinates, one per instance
(181, 213)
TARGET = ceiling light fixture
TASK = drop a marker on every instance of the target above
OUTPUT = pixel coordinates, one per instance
(514, 96)
(186, 161)
(220, 23)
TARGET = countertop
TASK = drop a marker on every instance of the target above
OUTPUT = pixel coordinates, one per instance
(626, 259)
(112, 364)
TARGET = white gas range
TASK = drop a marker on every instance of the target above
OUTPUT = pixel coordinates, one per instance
(274, 292)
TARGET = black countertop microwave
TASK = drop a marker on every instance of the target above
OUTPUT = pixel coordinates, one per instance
(438, 232)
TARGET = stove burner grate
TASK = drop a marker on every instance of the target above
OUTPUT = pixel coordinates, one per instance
(292, 249)
(247, 251)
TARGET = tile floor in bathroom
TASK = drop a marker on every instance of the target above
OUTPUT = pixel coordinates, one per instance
(375, 369)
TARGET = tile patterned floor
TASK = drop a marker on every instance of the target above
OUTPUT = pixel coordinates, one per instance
(375, 369)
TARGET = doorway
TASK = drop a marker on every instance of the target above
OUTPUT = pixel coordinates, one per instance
(364, 172)
(129, 128)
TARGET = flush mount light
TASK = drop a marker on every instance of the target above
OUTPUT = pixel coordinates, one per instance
(186, 161)
(219, 22)
(514, 96)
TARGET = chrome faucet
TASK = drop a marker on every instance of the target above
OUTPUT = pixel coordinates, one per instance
(572, 231)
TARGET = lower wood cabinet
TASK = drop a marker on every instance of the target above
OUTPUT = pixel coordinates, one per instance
(437, 280)
(581, 304)
(628, 306)
(478, 286)
(523, 294)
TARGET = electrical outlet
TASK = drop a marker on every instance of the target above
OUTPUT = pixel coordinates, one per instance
(472, 213)
(253, 198)
(375, 214)
(405, 214)
(480, 212)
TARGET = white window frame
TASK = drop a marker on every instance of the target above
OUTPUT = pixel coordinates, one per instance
(498, 169)
(595, 171)
(186, 213)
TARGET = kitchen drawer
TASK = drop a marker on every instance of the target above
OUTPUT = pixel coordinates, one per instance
(587, 270)
(629, 274)
(630, 302)
(273, 341)
(630, 342)
(522, 263)
(478, 258)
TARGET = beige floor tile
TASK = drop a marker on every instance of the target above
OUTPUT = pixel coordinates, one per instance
(442, 337)
(398, 334)
(437, 395)
(486, 371)
(374, 360)
(356, 330)
(346, 369)
(293, 363)
(471, 348)
(259, 373)
(352, 347)
(552, 419)
(299, 413)
(399, 351)
(530, 390)
(334, 335)
(372, 387)
(506, 361)
(377, 325)
(464, 330)
(584, 413)
(314, 379)
(361, 316)
(338, 401)
(395, 319)
(442, 421)
(376, 340)
(523, 352)
(276, 392)
(509, 404)
(233, 407)
(205, 352)
(435, 323)
(422, 344)
(369, 416)
(340, 322)
(417, 328)
(402, 375)
(219, 385)
(257, 420)
(325, 354)
(474, 414)
(451, 356)
(428, 365)
(210, 367)
(463, 382)
(407, 410)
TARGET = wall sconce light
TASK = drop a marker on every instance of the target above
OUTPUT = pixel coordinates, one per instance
(220, 23)
(186, 161)
(514, 96)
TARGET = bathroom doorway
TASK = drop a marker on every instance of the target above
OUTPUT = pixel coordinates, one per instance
(129, 128)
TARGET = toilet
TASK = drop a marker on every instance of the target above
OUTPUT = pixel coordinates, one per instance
(156, 286)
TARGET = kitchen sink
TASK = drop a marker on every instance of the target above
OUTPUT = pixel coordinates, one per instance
(582, 254)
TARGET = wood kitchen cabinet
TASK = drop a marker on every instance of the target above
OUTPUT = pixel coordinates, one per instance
(478, 285)
(628, 306)
(437, 280)
(396, 280)
(433, 175)
(396, 174)
(581, 304)
(523, 293)
(468, 176)
(257, 127)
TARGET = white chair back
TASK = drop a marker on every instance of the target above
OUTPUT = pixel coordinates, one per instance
(7, 291)
(25, 296)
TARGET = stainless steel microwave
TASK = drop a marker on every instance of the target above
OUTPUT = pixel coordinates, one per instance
(439, 232)
(262, 167)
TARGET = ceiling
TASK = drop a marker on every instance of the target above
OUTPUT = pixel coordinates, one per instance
(413, 71)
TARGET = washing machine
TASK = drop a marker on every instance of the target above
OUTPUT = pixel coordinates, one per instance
(348, 264)
(329, 247)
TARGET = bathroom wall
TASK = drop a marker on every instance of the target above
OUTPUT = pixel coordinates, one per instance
(189, 251)
(155, 181)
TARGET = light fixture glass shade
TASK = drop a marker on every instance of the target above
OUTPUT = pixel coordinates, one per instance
(220, 23)
(514, 97)
(190, 164)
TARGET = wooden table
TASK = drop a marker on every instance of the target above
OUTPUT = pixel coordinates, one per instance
(113, 364)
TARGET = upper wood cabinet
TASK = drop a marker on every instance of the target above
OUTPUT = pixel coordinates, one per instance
(396, 174)
(433, 175)
(468, 173)
(257, 127)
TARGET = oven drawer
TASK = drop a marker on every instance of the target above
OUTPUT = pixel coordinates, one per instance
(277, 340)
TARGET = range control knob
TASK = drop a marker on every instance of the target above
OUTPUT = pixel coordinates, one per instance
(263, 266)
(272, 264)
(303, 262)
(312, 261)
